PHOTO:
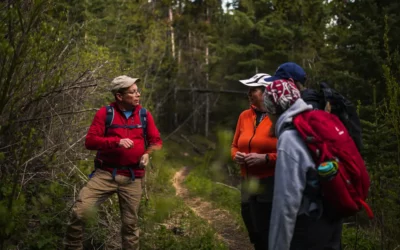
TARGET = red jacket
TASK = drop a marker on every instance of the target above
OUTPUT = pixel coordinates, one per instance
(251, 139)
(107, 145)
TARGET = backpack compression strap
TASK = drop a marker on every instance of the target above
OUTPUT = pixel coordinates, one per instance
(143, 121)
(109, 120)
(109, 117)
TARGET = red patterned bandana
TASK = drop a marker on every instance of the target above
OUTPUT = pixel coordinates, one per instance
(280, 94)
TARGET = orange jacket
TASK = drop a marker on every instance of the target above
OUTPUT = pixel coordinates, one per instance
(249, 139)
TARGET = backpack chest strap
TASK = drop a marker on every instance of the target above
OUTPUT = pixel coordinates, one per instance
(125, 126)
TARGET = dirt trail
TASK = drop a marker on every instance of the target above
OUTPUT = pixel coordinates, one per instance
(228, 231)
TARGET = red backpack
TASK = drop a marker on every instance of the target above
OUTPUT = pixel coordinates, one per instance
(328, 140)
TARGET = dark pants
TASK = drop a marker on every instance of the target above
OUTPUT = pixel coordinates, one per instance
(256, 213)
(324, 233)
(309, 233)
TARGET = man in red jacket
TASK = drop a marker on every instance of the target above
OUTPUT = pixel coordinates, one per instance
(117, 134)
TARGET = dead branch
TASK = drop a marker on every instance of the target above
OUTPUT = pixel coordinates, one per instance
(64, 113)
(223, 184)
(184, 122)
(69, 88)
(212, 91)
(196, 149)
(80, 139)
(40, 154)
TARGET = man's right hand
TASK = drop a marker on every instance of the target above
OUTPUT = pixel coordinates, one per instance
(239, 157)
(125, 143)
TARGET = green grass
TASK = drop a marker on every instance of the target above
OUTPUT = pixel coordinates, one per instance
(353, 238)
(201, 182)
(166, 222)
(209, 171)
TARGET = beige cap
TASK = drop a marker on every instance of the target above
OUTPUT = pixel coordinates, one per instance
(122, 82)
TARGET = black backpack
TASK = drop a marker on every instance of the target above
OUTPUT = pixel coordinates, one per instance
(340, 106)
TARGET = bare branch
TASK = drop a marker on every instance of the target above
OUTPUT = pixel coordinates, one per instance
(80, 139)
(184, 122)
(212, 91)
(40, 154)
(223, 184)
(64, 113)
(196, 149)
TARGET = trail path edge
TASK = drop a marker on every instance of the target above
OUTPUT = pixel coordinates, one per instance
(221, 220)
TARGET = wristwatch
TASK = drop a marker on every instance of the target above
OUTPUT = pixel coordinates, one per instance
(266, 158)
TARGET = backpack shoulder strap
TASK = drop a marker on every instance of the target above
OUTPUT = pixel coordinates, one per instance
(313, 97)
(109, 117)
(288, 126)
(326, 90)
(108, 122)
(143, 122)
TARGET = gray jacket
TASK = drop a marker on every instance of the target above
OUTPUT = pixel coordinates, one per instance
(294, 166)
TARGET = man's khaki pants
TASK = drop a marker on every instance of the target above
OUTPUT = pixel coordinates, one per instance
(96, 191)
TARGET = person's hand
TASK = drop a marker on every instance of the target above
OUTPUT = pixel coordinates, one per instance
(328, 107)
(144, 160)
(239, 157)
(254, 159)
(125, 143)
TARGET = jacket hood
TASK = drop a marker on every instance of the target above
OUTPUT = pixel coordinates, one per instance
(287, 117)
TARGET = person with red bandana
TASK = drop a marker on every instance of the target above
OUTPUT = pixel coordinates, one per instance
(123, 147)
(301, 219)
(254, 149)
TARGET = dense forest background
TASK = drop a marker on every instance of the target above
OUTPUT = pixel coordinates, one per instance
(57, 58)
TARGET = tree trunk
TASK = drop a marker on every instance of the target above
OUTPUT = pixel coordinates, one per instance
(207, 118)
(207, 115)
(171, 20)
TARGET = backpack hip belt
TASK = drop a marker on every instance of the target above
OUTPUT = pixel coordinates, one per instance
(101, 165)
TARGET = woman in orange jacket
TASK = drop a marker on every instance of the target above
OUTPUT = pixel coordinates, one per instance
(254, 149)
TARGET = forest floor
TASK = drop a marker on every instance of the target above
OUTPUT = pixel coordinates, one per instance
(221, 220)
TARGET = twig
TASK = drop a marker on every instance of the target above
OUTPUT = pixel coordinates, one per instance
(74, 167)
(66, 47)
(184, 122)
(64, 113)
(9, 145)
(40, 154)
(99, 67)
(219, 183)
(51, 108)
(80, 139)
(33, 175)
(26, 164)
(193, 145)
(227, 91)
(22, 181)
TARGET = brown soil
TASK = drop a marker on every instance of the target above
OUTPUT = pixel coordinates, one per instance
(222, 222)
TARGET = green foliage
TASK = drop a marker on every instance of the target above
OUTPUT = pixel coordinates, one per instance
(357, 238)
(36, 216)
(166, 222)
(200, 182)
(57, 58)
(208, 178)
(382, 155)
(182, 230)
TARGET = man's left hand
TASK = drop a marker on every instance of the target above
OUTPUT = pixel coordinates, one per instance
(144, 160)
(254, 159)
